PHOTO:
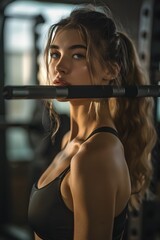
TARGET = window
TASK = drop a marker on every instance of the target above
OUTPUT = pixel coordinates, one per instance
(20, 66)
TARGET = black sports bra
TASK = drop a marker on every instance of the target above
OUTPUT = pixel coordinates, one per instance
(50, 218)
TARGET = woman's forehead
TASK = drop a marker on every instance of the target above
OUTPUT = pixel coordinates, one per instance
(68, 35)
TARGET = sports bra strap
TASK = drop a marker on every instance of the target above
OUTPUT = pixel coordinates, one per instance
(97, 130)
(103, 129)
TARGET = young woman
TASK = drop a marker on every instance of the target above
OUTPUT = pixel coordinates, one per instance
(104, 163)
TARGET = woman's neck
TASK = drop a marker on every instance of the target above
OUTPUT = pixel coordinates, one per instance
(84, 119)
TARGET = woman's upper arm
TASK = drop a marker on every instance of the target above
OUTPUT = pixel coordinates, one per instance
(94, 191)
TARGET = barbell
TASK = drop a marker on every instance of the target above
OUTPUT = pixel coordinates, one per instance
(76, 92)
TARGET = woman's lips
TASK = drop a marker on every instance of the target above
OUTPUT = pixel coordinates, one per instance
(60, 82)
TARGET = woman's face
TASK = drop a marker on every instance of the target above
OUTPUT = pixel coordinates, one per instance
(68, 64)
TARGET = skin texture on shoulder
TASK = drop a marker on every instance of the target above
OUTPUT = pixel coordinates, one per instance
(97, 173)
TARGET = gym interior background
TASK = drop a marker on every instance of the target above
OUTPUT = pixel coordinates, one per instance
(25, 146)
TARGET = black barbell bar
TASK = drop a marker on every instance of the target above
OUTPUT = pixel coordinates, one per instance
(76, 92)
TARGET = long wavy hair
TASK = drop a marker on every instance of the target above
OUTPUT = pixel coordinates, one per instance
(133, 117)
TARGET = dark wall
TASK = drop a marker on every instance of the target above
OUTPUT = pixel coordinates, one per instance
(128, 13)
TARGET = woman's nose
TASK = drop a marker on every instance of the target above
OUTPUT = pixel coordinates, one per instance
(63, 66)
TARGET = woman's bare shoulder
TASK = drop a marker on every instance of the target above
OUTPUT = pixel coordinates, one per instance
(93, 184)
(104, 145)
(99, 170)
(103, 152)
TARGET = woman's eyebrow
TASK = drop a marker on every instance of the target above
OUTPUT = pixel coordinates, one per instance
(75, 46)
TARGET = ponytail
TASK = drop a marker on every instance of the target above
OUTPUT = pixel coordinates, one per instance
(133, 118)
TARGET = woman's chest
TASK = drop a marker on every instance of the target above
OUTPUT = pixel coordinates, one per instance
(58, 165)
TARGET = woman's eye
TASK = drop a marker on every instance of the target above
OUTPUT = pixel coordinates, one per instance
(78, 56)
(54, 55)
